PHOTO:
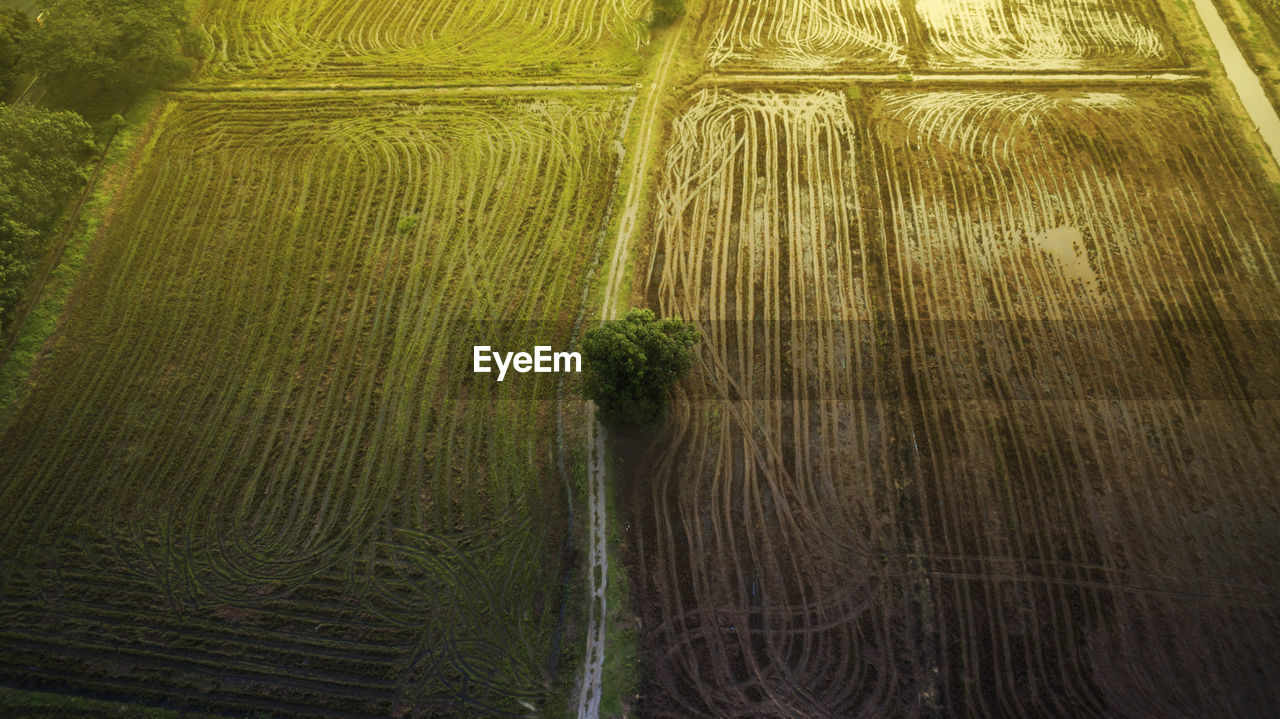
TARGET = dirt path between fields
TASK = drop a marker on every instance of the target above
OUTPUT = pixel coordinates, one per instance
(972, 78)
(522, 89)
(635, 184)
(593, 668)
(589, 687)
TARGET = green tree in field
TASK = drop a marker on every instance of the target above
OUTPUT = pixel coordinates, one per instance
(42, 154)
(666, 12)
(98, 55)
(14, 26)
(631, 362)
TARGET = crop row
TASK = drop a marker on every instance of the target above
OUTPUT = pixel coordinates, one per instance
(967, 462)
(253, 445)
(827, 35)
(439, 41)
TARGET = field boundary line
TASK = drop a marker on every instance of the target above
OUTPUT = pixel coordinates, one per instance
(562, 464)
(955, 78)
(589, 687)
(635, 186)
(488, 89)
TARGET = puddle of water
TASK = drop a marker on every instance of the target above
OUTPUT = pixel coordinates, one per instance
(1248, 86)
(1103, 99)
(1066, 245)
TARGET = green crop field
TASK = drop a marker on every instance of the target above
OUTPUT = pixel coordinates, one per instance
(252, 471)
(988, 303)
(439, 41)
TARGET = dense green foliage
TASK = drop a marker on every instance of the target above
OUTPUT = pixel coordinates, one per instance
(90, 56)
(14, 26)
(666, 12)
(631, 362)
(41, 158)
(98, 55)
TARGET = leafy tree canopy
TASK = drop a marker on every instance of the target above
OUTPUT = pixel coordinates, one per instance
(631, 362)
(42, 153)
(14, 26)
(98, 55)
(666, 12)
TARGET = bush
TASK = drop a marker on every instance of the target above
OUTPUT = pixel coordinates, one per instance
(409, 223)
(631, 362)
(666, 12)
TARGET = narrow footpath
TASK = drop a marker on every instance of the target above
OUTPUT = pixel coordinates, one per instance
(589, 685)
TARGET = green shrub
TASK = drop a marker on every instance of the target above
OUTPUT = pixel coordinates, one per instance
(97, 56)
(407, 224)
(666, 12)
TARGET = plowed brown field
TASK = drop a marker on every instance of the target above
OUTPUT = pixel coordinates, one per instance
(997, 478)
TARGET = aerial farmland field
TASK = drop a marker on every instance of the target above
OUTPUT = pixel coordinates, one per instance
(784, 34)
(1045, 34)
(981, 421)
(879, 522)
(443, 41)
(859, 35)
(273, 488)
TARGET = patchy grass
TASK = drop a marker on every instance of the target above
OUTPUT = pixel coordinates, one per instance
(621, 677)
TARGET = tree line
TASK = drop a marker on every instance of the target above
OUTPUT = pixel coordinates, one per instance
(88, 61)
